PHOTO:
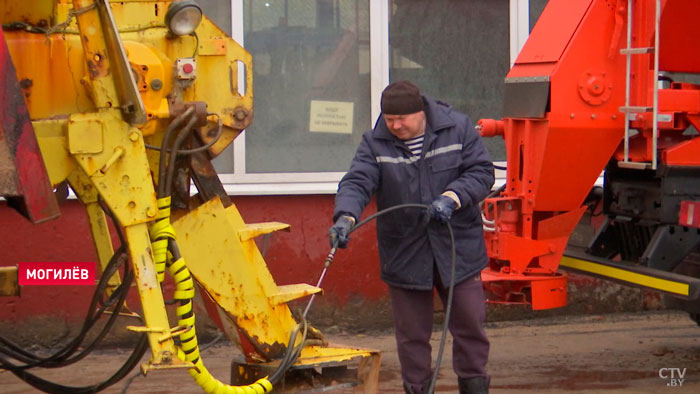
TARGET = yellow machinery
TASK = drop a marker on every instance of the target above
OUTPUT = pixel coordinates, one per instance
(129, 101)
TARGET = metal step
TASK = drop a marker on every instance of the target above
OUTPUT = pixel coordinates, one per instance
(635, 109)
(633, 165)
(637, 51)
(680, 286)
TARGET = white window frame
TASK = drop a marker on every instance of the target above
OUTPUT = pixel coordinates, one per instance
(243, 183)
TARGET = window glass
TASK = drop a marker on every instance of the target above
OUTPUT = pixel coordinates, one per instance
(536, 8)
(312, 83)
(456, 51)
(219, 12)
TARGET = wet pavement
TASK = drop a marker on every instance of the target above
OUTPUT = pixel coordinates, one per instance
(652, 352)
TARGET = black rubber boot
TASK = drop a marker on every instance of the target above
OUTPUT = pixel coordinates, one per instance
(478, 385)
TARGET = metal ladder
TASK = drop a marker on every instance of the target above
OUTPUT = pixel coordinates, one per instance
(628, 109)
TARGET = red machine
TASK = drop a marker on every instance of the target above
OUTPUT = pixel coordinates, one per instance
(600, 85)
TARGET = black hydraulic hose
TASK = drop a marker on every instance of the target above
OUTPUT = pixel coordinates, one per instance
(214, 140)
(174, 125)
(179, 139)
(448, 307)
(291, 354)
(495, 192)
(67, 355)
(63, 357)
(51, 387)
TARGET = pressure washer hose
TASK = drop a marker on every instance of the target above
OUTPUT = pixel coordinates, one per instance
(163, 241)
(448, 307)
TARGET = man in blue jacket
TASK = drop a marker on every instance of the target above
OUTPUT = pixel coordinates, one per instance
(421, 151)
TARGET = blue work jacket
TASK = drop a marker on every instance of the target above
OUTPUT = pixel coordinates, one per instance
(453, 158)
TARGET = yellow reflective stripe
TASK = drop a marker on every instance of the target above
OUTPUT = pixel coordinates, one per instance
(627, 276)
(396, 160)
(444, 149)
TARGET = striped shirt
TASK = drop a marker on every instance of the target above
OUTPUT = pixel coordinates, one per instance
(415, 145)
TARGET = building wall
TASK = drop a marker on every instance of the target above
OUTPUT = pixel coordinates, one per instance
(293, 257)
(354, 296)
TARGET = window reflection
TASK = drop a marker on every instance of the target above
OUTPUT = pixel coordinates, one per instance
(311, 76)
(457, 51)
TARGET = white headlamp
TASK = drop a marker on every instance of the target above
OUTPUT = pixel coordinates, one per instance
(183, 17)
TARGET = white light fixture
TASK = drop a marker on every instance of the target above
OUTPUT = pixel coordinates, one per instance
(183, 17)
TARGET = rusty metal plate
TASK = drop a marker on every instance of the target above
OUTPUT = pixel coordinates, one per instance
(23, 177)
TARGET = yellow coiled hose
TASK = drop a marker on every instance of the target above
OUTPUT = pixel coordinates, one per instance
(161, 232)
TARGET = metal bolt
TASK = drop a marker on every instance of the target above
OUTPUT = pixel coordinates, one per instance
(592, 116)
(133, 136)
(167, 357)
(118, 153)
(572, 115)
(150, 212)
(240, 114)
(156, 84)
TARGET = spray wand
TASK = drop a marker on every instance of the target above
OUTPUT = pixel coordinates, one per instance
(326, 264)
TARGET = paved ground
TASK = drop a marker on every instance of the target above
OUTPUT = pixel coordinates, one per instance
(624, 353)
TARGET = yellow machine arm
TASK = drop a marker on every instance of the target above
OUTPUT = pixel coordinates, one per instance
(121, 97)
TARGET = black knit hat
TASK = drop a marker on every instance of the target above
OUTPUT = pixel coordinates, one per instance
(401, 98)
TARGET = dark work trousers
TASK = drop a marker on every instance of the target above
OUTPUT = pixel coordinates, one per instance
(413, 324)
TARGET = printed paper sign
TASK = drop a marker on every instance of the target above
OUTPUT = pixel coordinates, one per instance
(331, 117)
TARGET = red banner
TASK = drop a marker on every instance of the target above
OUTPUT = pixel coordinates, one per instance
(64, 273)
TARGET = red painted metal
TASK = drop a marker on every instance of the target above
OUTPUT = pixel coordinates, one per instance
(25, 182)
(539, 291)
(562, 17)
(689, 214)
(554, 161)
(679, 47)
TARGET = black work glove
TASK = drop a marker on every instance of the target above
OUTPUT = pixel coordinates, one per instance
(442, 208)
(338, 234)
